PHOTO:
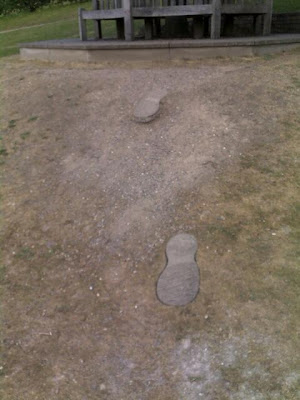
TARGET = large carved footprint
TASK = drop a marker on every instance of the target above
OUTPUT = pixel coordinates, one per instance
(178, 284)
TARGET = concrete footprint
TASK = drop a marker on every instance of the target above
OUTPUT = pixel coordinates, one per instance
(148, 107)
(178, 284)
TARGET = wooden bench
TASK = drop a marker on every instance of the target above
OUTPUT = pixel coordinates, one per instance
(118, 10)
(152, 11)
(260, 9)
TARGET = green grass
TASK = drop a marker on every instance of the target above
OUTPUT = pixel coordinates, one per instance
(9, 42)
(12, 123)
(61, 22)
(286, 6)
(41, 16)
(24, 135)
(33, 118)
(3, 151)
(25, 253)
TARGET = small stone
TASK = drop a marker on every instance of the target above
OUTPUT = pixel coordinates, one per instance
(102, 387)
(286, 230)
(186, 344)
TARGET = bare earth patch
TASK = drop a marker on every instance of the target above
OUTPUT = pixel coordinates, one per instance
(89, 200)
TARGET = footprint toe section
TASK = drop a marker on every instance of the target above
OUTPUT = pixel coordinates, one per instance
(178, 284)
(146, 110)
(148, 107)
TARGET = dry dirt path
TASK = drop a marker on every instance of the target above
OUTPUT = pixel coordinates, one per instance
(89, 200)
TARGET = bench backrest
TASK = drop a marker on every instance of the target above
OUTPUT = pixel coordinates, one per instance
(168, 3)
(107, 4)
(114, 4)
(246, 6)
(245, 2)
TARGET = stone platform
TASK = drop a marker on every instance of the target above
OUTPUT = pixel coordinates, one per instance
(93, 51)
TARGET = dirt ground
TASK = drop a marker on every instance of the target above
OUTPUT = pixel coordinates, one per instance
(90, 199)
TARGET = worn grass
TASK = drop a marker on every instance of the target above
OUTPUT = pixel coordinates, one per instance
(59, 22)
(9, 42)
(256, 241)
(248, 308)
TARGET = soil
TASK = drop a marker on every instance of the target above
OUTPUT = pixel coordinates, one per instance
(89, 200)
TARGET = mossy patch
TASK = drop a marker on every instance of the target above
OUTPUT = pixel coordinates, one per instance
(24, 253)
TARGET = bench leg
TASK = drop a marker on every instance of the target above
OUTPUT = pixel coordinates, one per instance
(267, 22)
(128, 21)
(97, 23)
(98, 30)
(267, 18)
(215, 21)
(120, 28)
(82, 25)
(198, 27)
(148, 28)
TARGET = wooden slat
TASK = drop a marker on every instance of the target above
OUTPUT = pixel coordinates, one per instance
(245, 2)
(103, 14)
(82, 25)
(172, 11)
(244, 9)
(95, 5)
(97, 23)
